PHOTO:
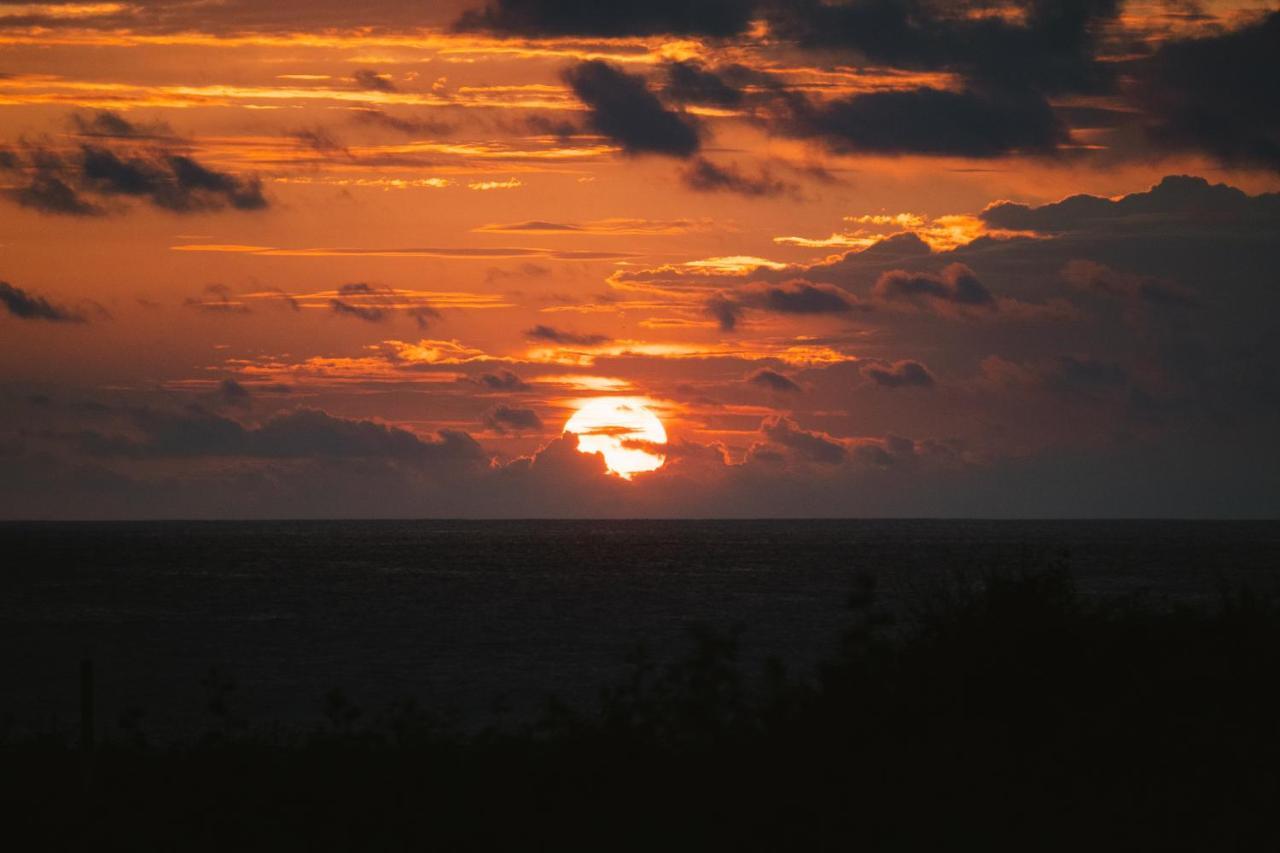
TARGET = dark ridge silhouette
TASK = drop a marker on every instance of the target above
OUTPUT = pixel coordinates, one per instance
(1013, 713)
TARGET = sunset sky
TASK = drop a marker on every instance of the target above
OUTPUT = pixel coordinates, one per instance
(878, 257)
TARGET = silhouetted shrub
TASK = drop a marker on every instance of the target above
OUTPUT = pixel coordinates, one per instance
(1010, 713)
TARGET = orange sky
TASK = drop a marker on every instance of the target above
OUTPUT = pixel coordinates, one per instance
(401, 209)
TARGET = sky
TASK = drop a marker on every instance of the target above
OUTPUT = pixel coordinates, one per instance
(860, 258)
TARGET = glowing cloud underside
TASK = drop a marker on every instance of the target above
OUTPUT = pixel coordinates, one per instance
(606, 425)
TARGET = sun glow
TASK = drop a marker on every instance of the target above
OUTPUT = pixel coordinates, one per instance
(619, 428)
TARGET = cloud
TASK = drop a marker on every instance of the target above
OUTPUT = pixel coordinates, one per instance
(503, 380)
(792, 297)
(408, 125)
(772, 380)
(217, 299)
(50, 192)
(621, 107)
(928, 121)
(1061, 374)
(717, 18)
(511, 419)
(368, 313)
(725, 310)
(320, 139)
(809, 446)
(1007, 67)
(526, 270)
(559, 336)
(690, 82)
(28, 306)
(899, 374)
(367, 78)
(1216, 94)
(406, 251)
(374, 304)
(611, 226)
(301, 434)
(798, 297)
(423, 315)
(1150, 290)
(704, 176)
(1072, 373)
(77, 185)
(532, 226)
(233, 393)
(174, 182)
(956, 285)
(106, 123)
(1048, 47)
(1192, 200)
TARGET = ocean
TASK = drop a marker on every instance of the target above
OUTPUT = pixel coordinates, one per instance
(486, 619)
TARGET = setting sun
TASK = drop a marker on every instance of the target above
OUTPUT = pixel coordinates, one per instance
(609, 426)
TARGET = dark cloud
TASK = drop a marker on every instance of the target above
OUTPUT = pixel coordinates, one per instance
(809, 446)
(368, 313)
(49, 192)
(873, 455)
(423, 315)
(1050, 46)
(621, 18)
(725, 310)
(956, 284)
(511, 419)
(690, 82)
(621, 107)
(792, 297)
(928, 121)
(890, 452)
(161, 175)
(800, 297)
(320, 139)
(374, 304)
(525, 270)
(408, 125)
(1061, 374)
(547, 126)
(772, 380)
(174, 182)
(112, 125)
(503, 380)
(1103, 280)
(28, 306)
(1219, 94)
(559, 336)
(1177, 197)
(537, 226)
(899, 374)
(233, 393)
(705, 176)
(1009, 67)
(367, 78)
(306, 433)
(217, 299)
(1070, 373)
(284, 298)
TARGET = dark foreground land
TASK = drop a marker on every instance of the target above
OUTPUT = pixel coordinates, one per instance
(1011, 713)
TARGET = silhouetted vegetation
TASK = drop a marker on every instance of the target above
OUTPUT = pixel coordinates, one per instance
(1012, 713)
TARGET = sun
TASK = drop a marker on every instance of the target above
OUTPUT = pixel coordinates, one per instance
(606, 425)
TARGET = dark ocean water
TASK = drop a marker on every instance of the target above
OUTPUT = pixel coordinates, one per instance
(457, 614)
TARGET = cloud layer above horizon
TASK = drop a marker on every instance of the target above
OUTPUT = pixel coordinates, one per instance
(873, 257)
